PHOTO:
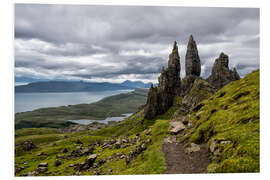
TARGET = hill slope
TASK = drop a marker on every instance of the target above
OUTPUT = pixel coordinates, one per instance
(227, 122)
(80, 86)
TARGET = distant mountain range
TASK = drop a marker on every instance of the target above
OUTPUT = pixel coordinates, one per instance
(78, 86)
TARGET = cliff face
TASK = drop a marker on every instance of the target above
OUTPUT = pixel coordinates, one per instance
(221, 74)
(160, 98)
(192, 88)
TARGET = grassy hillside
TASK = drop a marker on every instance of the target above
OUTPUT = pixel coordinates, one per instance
(108, 107)
(228, 121)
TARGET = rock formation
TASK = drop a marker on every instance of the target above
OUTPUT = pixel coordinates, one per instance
(221, 74)
(160, 98)
(193, 65)
(192, 88)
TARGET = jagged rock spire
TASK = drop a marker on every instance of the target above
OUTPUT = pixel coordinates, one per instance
(160, 98)
(221, 74)
(193, 64)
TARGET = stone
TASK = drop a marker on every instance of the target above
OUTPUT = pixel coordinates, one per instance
(91, 159)
(87, 151)
(193, 148)
(44, 164)
(28, 145)
(213, 146)
(118, 144)
(79, 141)
(65, 150)
(40, 154)
(176, 127)
(160, 98)
(41, 169)
(170, 139)
(225, 142)
(192, 64)
(221, 74)
(57, 162)
(71, 165)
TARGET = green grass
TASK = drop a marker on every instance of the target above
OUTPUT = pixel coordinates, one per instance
(231, 114)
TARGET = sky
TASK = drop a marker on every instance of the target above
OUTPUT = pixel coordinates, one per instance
(118, 43)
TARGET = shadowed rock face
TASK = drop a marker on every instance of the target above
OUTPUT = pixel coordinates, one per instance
(160, 98)
(193, 64)
(221, 74)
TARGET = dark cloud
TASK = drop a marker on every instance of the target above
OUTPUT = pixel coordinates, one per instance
(110, 42)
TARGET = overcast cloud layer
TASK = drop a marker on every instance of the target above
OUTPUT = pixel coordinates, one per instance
(116, 43)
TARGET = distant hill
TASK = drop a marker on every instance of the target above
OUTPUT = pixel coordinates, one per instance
(78, 86)
(112, 106)
(137, 84)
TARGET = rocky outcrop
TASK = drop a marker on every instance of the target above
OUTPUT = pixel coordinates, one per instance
(193, 64)
(186, 84)
(192, 88)
(221, 74)
(200, 90)
(160, 98)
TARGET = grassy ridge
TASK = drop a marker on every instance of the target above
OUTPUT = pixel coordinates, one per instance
(232, 115)
(108, 107)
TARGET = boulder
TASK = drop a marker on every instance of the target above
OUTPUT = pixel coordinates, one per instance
(65, 150)
(91, 159)
(176, 127)
(41, 169)
(192, 65)
(28, 145)
(44, 164)
(57, 162)
(193, 148)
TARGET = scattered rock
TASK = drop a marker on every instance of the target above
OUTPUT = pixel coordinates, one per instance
(176, 127)
(71, 165)
(57, 162)
(91, 159)
(28, 145)
(213, 146)
(225, 142)
(44, 164)
(41, 169)
(40, 154)
(170, 139)
(78, 141)
(193, 148)
(65, 150)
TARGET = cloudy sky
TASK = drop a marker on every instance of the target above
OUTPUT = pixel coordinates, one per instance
(116, 43)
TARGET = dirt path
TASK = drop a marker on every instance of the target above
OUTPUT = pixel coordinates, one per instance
(178, 162)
